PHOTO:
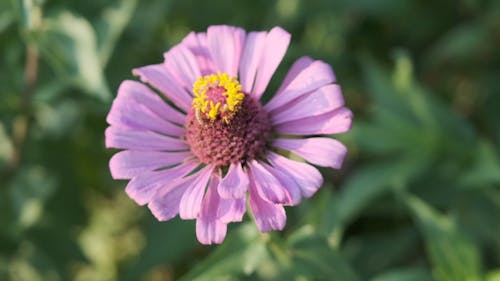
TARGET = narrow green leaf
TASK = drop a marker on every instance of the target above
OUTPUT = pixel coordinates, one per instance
(31, 14)
(407, 274)
(368, 183)
(452, 254)
(460, 44)
(485, 170)
(241, 253)
(477, 212)
(364, 250)
(6, 146)
(113, 21)
(312, 257)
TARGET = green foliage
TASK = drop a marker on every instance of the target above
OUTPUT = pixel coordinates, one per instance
(453, 256)
(418, 198)
(70, 47)
(411, 274)
(242, 253)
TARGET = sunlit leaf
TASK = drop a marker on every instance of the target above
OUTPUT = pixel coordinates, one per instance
(70, 46)
(57, 119)
(477, 212)
(29, 191)
(31, 14)
(493, 276)
(113, 20)
(110, 237)
(6, 146)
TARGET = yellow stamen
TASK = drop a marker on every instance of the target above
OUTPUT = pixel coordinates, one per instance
(206, 107)
(214, 109)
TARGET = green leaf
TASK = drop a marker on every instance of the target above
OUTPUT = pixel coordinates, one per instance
(31, 14)
(7, 15)
(57, 119)
(312, 257)
(485, 170)
(493, 276)
(407, 274)
(403, 99)
(452, 254)
(460, 44)
(477, 211)
(166, 243)
(367, 184)
(69, 45)
(382, 90)
(29, 191)
(6, 146)
(241, 253)
(364, 249)
(113, 21)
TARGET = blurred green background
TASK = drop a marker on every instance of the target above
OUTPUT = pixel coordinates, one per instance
(417, 199)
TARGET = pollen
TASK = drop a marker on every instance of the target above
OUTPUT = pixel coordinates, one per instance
(217, 96)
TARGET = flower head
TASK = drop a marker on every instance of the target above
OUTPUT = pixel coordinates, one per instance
(212, 145)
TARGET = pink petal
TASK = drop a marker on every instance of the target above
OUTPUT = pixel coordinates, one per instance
(324, 152)
(166, 201)
(314, 76)
(235, 183)
(297, 67)
(268, 216)
(225, 44)
(231, 210)
(141, 140)
(191, 200)
(209, 229)
(274, 50)
(197, 43)
(333, 122)
(291, 187)
(250, 59)
(210, 204)
(158, 76)
(323, 100)
(128, 114)
(182, 64)
(143, 187)
(266, 184)
(306, 176)
(142, 94)
(130, 163)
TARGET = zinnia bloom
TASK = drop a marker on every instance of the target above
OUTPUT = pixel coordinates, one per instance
(206, 144)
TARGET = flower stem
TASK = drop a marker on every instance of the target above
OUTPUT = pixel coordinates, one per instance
(22, 122)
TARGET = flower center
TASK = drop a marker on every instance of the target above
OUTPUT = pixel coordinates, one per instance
(217, 95)
(225, 125)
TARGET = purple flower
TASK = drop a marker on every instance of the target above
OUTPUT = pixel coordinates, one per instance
(207, 144)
